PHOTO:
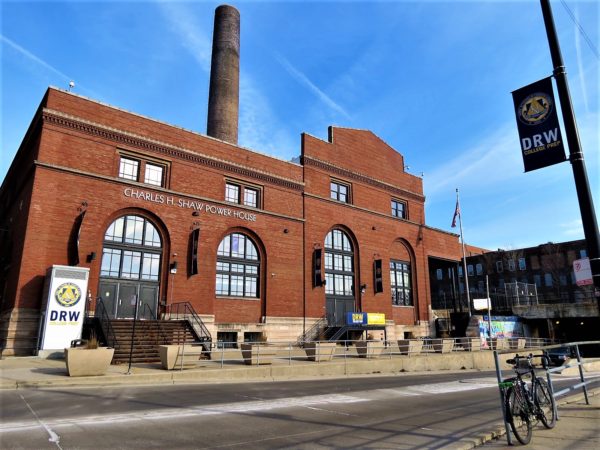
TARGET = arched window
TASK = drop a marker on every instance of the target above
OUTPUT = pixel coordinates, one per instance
(339, 264)
(238, 267)
(132, 250)
(130, 269)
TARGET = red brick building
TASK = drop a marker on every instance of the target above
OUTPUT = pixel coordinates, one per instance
(168, 215)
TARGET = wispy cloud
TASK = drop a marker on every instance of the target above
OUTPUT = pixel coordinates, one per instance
(256, 119)
(488, 163)
(580, 68)
(182, 23)
(303, 80)
(573, 228)
(33, 57)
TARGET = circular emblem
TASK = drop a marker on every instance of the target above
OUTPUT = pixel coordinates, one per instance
(67, 294)
(535, 109)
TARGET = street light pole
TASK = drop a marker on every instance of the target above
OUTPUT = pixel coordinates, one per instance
(584, 196)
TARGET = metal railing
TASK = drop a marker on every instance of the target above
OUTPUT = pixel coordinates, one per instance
(185, 311)
(101, 314)
(293, 352)
(314, 332)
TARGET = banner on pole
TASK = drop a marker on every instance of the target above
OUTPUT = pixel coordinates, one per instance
(537, 122)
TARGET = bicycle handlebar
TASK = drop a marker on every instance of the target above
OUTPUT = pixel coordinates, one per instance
(515, 361)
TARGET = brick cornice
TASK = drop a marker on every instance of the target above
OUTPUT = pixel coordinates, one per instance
(130, 139)
(310, 161)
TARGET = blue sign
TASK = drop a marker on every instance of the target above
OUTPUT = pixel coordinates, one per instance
(356, 318)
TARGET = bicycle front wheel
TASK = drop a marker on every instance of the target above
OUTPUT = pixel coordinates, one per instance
(517, 414)
(544, 400)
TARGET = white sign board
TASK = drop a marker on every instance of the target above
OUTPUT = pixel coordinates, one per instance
(481, 303)
(583, 272)
(63, 321)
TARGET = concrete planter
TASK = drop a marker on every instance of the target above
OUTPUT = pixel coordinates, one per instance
(500, 344)
(178, 356)
(442, 345)
(255, 354)
(410, 346)
(319, 351)
(369, 349)
(84, 362)
(471, 344)
(517, 343)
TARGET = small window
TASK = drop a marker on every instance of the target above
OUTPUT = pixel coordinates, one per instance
(563, 280)
(522, 264)
(398, 209)
(340, 191)
(460, 271)
(242, 194)
(511, 265)
(439, 274)
(499, 267)
(251, 197)
(501, 283)
(548, 280)
(480, 287)
(133, 168)
(582, 254)
(232, 193)
(470, 270)
(154, 174)
(537, 279)
(479, 269)
(129, 169)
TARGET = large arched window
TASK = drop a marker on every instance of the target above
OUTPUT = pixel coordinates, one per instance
(339, 264)
(132, 249)
(400, 280)
(130, 269)
(238, 267)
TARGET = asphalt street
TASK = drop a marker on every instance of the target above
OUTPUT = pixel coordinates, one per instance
(407, 411)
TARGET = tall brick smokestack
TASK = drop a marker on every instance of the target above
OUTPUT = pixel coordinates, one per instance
(223, 98)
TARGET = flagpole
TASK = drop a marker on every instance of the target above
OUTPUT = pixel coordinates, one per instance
(462, 239)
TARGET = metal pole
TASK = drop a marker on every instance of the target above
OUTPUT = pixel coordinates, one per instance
(582, 186)
(487, 288)
(462, 239)
(133, 335)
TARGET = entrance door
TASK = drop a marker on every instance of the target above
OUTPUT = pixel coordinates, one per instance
(128, 296)
(339, 277)
(130, 271)
(108, 291)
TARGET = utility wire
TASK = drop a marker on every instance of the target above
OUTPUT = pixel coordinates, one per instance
(582, 31)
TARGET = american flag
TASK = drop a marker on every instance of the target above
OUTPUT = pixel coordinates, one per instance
(456, 214)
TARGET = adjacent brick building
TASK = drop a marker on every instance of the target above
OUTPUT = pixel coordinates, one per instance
(168, 215)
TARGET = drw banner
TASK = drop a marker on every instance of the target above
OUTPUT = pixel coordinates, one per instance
(539, 131)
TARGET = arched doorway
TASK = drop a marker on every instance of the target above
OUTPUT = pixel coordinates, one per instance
(339, 277)
(130, 270)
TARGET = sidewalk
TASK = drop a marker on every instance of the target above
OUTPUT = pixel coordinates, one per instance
(578, 427)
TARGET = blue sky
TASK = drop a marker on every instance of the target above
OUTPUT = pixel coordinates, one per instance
(432, 79)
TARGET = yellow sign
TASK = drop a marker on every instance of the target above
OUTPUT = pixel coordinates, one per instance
(375, 319)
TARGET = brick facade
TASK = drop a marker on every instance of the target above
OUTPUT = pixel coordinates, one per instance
(69, 162)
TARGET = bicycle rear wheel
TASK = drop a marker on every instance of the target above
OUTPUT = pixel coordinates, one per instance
(517, 414)
(545, 403)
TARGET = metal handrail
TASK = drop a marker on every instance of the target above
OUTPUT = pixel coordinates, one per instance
(101, 314)
(189, 312)
(161, 336)
(314, 331)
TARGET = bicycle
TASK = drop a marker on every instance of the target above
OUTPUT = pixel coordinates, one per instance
(523, 402)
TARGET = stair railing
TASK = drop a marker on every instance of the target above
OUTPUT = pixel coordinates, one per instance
(161, 336)
(185, 311)
(314, 332)
(101, 314)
